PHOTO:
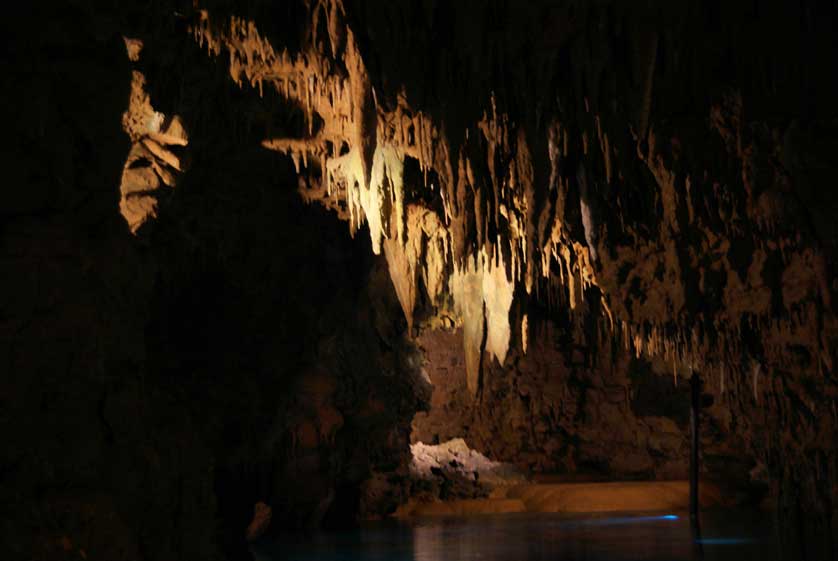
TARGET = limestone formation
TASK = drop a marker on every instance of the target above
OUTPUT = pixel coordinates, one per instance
(364, 141)
(151, 167)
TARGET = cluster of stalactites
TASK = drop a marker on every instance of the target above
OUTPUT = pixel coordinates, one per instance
(363, 167)
(447, 251)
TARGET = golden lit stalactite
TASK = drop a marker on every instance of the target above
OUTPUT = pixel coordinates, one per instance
(467, 291)
(437, 254)
(524, 332)
(424, 255)
(151, 166)
(497, 296)
(401, 263)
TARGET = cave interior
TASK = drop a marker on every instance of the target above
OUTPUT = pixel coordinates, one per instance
(278, 270)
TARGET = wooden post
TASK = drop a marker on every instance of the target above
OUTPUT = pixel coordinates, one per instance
(695, 407)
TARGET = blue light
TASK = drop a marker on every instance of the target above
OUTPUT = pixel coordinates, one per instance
(724, 541)
(619, 520)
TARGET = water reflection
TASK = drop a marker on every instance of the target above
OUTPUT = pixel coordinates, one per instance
(726, 537)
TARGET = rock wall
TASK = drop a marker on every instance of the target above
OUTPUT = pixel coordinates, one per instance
(561, 411)
(172, 356)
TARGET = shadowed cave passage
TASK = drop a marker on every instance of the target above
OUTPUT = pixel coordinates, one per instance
(239, 239)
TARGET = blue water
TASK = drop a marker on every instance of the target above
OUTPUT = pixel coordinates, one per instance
(725, 536)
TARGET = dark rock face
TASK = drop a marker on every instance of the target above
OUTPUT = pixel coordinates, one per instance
(600, 197)
(239, 349)
(71, 311)
(553, 414)
(305, 400)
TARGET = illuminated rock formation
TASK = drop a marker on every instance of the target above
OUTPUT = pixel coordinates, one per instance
(359, 153)
(151, 165)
